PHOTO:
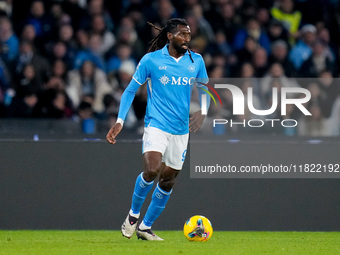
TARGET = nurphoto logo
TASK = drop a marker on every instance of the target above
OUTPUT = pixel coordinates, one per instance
(239, 101)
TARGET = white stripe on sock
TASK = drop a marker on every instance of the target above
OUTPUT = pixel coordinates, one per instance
(136, 215)
(142, 226)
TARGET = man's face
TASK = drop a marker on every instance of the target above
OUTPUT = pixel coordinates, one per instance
(180, 38)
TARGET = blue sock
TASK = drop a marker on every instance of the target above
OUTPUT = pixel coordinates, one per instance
(142, 189)
(157, 205)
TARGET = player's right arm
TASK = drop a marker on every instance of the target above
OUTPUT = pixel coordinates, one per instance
(113, 132)
(125, 104)
(137, 80)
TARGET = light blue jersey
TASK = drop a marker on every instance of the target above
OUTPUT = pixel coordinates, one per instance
(169, 82)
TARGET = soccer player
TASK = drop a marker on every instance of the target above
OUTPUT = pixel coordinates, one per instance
(170, 70)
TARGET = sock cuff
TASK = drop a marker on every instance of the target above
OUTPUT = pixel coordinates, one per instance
(163, 191)
(136, 215)
(144, 181)
(145, 225)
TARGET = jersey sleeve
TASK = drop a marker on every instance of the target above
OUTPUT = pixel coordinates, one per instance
(140, 76)
(202, 74)
(142, 71)
(202, 71)
(202, 78)
(127, 99)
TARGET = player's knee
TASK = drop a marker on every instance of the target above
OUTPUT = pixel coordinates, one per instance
(166, 184)
(150, 174)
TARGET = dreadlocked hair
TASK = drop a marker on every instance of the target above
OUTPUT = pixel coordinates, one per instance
(162, 39)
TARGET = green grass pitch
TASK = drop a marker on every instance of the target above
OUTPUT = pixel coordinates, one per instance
(111, 242)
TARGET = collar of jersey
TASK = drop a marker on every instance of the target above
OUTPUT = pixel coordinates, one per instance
(165, 51)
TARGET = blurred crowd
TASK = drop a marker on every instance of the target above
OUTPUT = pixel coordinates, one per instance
(74, 58)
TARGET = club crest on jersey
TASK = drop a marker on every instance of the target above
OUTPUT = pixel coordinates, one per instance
(191, 68)
(164, 79)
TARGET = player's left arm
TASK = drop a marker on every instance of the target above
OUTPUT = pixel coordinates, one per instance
(197, 118)
(196, 121)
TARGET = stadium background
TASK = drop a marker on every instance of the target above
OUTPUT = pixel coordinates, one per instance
(57, 172)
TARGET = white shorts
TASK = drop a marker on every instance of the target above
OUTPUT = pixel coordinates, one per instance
(172, 147)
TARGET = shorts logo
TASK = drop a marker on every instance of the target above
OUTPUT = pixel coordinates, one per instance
(191, 68)
(184, 154)
(147, 144)
(164, 79)
(141, 184)
(159, 195)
